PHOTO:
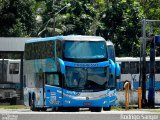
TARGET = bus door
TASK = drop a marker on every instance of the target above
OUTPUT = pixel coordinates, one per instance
(53, 88)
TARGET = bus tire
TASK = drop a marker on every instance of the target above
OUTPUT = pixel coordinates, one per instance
(73, 109)
(43, 109)
(32, 107)
(29, 99)
(95, 109)
(107, 108)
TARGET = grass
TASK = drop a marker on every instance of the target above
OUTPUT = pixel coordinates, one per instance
(116, 108)
(13, 107)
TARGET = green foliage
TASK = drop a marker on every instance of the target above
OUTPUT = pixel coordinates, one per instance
(16, 18)
(122, 26)
(151, 10)
(115, 20)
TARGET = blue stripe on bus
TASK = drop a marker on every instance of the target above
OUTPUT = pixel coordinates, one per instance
(120, 85)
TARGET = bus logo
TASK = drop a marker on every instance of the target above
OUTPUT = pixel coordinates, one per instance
(86, 65)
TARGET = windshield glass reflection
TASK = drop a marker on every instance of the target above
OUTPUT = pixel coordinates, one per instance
(86, 78)
(85, 49)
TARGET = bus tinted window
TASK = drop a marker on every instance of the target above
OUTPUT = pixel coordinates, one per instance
(134, 67)
(85, 49)
(59, 49)
(157, 66)
(39, 50)
(125, 67)
(52, 79)
(147, 67)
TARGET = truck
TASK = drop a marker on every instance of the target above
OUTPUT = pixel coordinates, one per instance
(9, 80)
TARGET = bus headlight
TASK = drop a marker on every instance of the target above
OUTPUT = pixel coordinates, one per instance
(67, 101)
(105, 102)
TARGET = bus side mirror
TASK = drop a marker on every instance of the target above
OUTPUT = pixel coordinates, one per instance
(61, 66)
(118, 70)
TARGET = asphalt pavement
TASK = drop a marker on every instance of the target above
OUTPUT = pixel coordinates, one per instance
(26, 114)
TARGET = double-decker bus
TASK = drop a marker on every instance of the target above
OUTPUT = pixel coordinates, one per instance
(69, 72)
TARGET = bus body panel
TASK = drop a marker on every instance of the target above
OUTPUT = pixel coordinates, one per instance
(54, 96)
(57, 96)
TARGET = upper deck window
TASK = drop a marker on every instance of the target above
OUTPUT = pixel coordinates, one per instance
(85, 49)
(39, 50)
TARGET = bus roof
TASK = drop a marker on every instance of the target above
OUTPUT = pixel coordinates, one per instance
(12, 60)
(109, 43)
(132, 59)
(69, 38)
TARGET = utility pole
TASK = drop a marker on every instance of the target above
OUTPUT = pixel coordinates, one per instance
(144, 101)
(151, 91)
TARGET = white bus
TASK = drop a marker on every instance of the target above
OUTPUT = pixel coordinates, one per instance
(130, 71)
(9, 80)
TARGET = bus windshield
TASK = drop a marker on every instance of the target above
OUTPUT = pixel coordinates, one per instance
(85, 49)
(94, 79)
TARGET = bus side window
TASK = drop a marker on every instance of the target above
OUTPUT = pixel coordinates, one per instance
(59, 49)
(134, 67)
(157, 67)
(147, 67)
(125, 67)
(52, 79)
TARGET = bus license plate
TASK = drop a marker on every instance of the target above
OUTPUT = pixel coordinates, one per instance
(87, 103)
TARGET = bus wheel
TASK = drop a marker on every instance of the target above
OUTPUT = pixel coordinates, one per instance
(30, 100)
(73, 109)
(33, 108)
(96, 109)
(107, 108)
(43, 109)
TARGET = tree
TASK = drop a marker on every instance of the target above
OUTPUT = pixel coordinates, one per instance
(17, 18)
(122, 26)
(80, 16)
(151, 11)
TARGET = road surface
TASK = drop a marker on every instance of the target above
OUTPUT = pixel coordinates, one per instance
(26, 114)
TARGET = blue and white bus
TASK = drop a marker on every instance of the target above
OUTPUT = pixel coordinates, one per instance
(69, 72)
(130, 71)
